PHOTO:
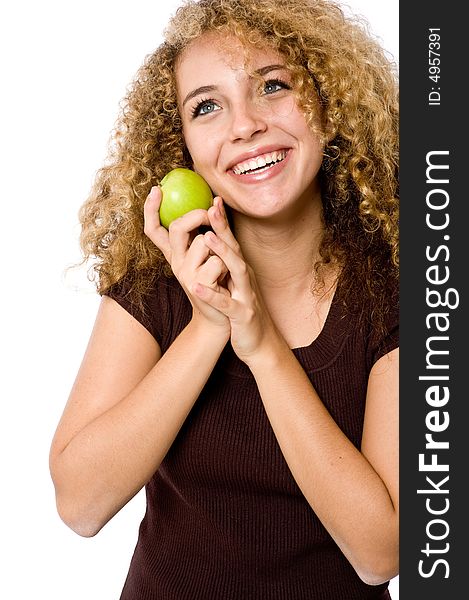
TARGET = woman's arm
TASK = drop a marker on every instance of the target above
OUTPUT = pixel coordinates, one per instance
(129, 402)
(354, 493)
(124, 411)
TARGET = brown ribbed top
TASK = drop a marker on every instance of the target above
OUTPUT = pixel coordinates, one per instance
(225, 519)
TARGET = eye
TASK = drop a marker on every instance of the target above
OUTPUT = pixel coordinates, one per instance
(204, 107)
(275, 85)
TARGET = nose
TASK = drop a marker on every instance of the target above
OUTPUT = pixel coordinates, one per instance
(247, 119)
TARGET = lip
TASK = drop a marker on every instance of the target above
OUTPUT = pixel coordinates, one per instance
(262, 175)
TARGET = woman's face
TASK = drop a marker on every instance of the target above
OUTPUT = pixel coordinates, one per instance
(247, 138)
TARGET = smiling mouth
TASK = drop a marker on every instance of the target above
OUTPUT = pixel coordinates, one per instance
(260, 163)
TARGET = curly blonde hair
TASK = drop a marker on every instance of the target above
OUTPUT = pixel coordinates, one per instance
(332, 58)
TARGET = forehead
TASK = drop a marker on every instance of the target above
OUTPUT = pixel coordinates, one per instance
(213, 52)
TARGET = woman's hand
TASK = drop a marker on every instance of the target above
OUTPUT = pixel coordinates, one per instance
(189, 256)
(239, 298)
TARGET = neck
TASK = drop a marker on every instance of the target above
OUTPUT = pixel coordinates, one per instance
(282, 250)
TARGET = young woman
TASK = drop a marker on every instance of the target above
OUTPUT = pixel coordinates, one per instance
(243, 365)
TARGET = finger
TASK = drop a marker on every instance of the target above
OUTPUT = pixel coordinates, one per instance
(182, 231)
(212, 271)
(235, 263)
(152, 226)
(220, 225)
(197, 253)
(219, 298)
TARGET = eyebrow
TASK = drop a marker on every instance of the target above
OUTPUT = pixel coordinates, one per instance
(200, 90)
(204, 89)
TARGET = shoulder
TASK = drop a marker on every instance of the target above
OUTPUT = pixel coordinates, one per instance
(384, 336)
(372, 323)
(155, 306)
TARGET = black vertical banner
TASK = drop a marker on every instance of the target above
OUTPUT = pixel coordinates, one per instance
(434, 422)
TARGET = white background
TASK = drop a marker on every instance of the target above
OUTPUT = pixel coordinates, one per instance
(64, 67)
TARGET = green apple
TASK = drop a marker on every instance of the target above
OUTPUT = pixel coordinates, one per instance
(182, 190)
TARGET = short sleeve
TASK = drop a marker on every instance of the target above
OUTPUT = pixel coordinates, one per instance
(388, 340)
(164, 310)
(150, 310)
(388, 343)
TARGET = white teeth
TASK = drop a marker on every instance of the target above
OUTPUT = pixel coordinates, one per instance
(259, 162)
